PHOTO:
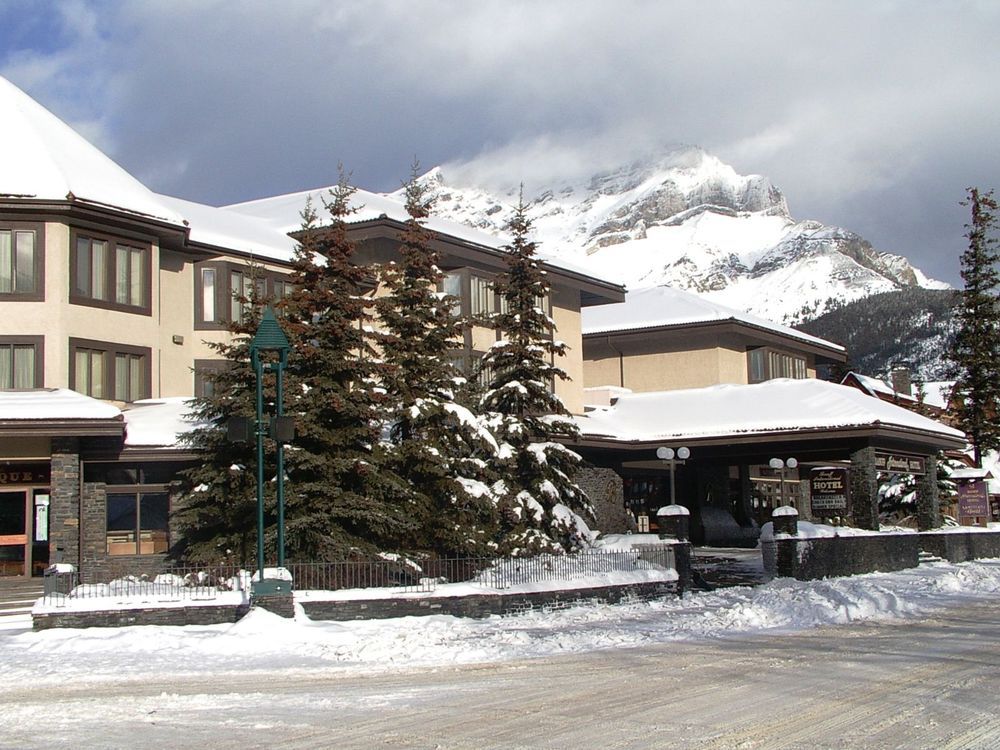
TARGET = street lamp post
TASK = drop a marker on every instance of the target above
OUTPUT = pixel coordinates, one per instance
(270, 338)
(781, 465)
(672, 458)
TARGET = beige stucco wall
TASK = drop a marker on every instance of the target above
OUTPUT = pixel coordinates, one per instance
(664, 371)
(566, 315)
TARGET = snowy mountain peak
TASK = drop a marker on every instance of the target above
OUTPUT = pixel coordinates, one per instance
(683, 217)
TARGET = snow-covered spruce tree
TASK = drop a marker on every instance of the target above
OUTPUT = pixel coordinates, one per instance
(975, 349)
(436, 444)
(338, 501)
(216, 511)
(540, 504)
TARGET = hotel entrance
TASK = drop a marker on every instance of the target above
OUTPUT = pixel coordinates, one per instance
(24, 531)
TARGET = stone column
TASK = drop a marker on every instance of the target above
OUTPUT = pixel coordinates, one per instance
(928, 502)
(746, 496)
(864, 489)
(64, 520)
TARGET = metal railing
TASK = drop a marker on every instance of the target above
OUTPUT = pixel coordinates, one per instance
(207, 583)
(414, 574)
(174, 584)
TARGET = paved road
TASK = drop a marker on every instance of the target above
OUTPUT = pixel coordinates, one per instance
(933, 683)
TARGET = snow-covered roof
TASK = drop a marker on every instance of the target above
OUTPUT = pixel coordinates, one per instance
(936, 393)
(659, 306)
(228, 230)
(53, 404)
(158, 422)
(44, 158)
(781, 405)
(284, 214)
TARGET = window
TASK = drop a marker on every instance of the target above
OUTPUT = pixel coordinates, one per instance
(451, 285)
(20, 361)
(767, 364)
(481, 296)
(110, 273)
(20, 262)
(205, 373)
(137, 523)
(137, 504)
(109, 371)
(224, 292)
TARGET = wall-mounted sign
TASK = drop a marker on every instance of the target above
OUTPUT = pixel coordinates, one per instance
(829, 490)
(899, 464)
(13, 474)
(973, 500)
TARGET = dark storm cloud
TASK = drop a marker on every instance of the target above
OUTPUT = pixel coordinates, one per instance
(874, 116)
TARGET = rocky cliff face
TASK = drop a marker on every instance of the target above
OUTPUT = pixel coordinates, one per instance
(686, 219)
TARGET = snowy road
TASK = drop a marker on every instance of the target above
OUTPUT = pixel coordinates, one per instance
(930, 683)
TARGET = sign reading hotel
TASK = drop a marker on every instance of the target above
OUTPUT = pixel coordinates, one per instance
(899, 464)
(829, 490)
(973, 501)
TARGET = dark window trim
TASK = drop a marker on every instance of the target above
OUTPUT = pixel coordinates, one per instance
(202, 369)
(768, 375)
(146, 308)
(136, 491)
(39, 343)
(223, 291)
(111, 349)
(39, 262)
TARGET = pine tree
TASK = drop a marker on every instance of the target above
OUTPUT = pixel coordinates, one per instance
(216, 511)
(541, 504)
(339, 500)
(975, 349)
(435, 443)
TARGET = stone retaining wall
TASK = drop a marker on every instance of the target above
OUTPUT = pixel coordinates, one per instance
(481, 605)
(190, 615)
(961, 546)
(823, 557)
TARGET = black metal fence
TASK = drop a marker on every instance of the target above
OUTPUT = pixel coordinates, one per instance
(207, 583)
(174, 584)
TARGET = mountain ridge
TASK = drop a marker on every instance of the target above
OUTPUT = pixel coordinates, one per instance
(685, 218)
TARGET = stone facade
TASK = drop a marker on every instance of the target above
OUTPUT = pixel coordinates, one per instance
(604, 488)
(864, 489)
(189, 615)
(928, 503)
(64, 513)
(812, 559)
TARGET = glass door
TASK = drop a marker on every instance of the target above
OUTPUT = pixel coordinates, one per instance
(13, 532)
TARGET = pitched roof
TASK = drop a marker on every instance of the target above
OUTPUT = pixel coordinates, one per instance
(44, 158)
(775, 406)
(664, 306)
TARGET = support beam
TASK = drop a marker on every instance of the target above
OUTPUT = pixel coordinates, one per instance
(928, 501)
(864, 489)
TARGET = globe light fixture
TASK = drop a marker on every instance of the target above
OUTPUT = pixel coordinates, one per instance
(672, 458)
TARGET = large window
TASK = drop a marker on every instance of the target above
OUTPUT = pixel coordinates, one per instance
(111, 273)
(137, 505)
(21, 262)
(20, 362)
(224, 292)
(109, 371)
(767, 364)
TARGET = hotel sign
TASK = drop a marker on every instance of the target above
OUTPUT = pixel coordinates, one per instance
(973, 500)
(829, 490)
(899, 464)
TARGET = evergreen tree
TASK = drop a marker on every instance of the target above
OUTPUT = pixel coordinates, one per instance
(541, 504)
(976, 346)
(434, 442)
(216, 511)
(339, 501)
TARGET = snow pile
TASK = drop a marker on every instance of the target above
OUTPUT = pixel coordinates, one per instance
(263, 641)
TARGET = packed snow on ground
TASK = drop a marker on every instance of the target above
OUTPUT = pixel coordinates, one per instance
(263, 642)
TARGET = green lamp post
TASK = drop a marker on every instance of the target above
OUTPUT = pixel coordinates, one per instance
(270, 338)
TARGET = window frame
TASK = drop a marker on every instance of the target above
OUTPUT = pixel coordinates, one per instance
(223, 297)
(204, 369)
(798, 364)
(111, 351)
(38, 261)
(114, 244)
(38, 343)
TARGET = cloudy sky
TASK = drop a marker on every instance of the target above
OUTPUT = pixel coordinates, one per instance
(873, 115)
